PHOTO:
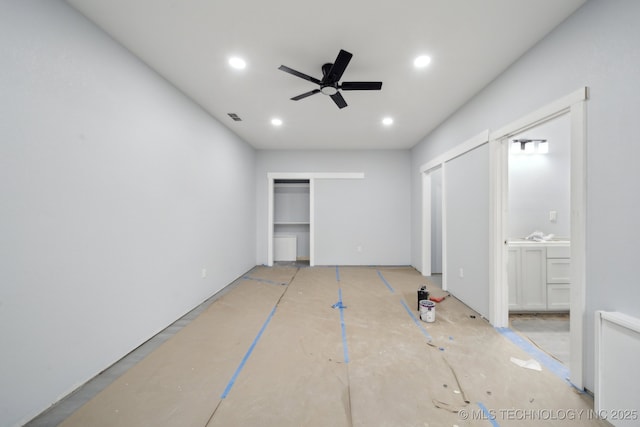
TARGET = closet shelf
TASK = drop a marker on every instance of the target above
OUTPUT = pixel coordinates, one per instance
(291, 223)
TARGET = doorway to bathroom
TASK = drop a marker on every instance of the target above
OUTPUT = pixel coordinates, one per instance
(572, 105)
(539, 230)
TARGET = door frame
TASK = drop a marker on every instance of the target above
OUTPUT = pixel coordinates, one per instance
(574, 105)
(427, 223)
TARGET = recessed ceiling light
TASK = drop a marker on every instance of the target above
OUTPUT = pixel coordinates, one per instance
(422, 61)
(387, 121)
(276, 122)
(237, 63)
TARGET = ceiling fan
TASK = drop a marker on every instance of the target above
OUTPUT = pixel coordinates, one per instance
(330, 82)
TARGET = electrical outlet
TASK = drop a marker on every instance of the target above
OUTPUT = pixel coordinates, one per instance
(553, 216)
(359, 248)
(204, 273)
(461, 272)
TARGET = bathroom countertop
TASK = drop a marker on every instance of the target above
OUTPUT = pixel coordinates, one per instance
(525, 242)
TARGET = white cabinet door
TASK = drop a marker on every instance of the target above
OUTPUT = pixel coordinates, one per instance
(534, 278)
(513, 278)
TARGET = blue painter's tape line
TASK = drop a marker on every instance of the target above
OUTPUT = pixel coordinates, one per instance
(547, 361)
(385, 282)
(415, 319)
(345, 348)
(246, 356)
(337, 274)
(490, 417)
(263, 280)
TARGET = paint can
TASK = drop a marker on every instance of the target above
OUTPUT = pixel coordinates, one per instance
(428, 311)
(423, 294)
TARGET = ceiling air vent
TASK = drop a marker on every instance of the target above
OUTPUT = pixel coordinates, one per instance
(235, 117)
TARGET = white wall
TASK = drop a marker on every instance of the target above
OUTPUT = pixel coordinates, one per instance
(116, 191)
(372, 212)
(597, 47)
(539, 183)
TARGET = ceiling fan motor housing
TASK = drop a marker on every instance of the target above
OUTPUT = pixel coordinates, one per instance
(331, 86)
(326, 68)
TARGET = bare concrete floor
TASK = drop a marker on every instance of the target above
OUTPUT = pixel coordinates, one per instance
(547, 331)
(327, 346)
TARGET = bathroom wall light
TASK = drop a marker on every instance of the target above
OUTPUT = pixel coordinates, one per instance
(529, 146)
(543, 147)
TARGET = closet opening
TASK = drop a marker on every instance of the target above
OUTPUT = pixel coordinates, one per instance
(291, 221)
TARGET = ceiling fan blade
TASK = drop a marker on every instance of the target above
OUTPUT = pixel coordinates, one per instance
(339, 65)
(339, 100)
(304, 95)
(361, 86)
(298, 74)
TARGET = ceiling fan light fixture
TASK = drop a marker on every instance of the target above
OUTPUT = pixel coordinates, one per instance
(329, 90)
(422, 61)
(237, 63)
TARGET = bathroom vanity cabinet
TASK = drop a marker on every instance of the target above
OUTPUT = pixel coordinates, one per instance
(538, 275)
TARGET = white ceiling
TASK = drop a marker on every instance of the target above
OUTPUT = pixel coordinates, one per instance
(189, 42)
